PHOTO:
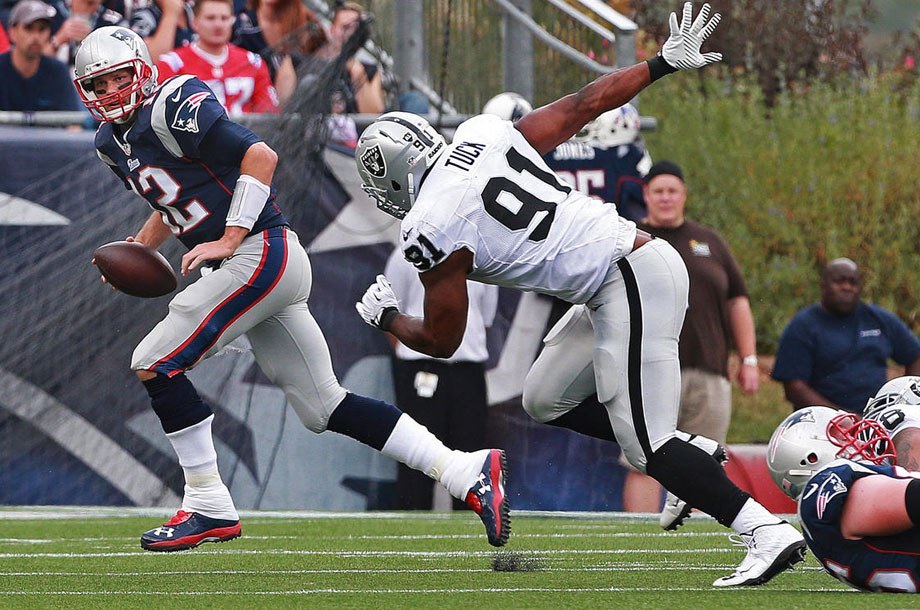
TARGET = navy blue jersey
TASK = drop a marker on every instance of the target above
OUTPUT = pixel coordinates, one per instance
(886, 563)
(159, 159)
(609, 174)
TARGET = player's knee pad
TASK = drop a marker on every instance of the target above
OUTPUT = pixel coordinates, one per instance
(539, 405)
(315, 409)
(176, 402)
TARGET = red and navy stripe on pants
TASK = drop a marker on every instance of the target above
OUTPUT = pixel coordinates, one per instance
(266, 276)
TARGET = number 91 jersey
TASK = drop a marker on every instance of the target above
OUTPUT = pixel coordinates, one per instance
(492, 193)
(158, 157)
(882, 563)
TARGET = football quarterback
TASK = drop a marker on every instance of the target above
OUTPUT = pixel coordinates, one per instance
(208, 181)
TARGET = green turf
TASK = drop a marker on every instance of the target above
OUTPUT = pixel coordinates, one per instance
(394, 560)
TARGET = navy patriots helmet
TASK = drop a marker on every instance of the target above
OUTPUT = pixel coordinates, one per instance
(107, 50)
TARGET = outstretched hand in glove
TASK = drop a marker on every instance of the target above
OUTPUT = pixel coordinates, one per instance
(378, 306)
(682, 49)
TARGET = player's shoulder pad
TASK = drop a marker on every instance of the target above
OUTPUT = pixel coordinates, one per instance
(175, 108)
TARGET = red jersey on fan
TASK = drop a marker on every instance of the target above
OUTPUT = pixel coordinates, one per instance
(238, 78)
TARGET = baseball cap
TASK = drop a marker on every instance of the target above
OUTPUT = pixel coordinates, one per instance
(27, 11)
(664, 167)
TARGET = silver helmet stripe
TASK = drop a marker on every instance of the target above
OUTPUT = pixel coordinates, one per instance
(408, 125)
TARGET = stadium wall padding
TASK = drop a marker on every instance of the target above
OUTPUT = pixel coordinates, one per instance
(76, 427)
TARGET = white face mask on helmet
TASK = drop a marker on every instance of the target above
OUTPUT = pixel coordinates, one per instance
(107, 50)
(900, 390)
(392, 155)
(810, 438)
(613, 128)
(509, 106)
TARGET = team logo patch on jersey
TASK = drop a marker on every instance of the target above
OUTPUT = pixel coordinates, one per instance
(832, 486)
(373, 162)
(186, 118)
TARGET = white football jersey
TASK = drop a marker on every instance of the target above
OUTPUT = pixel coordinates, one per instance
(491, 192)
(898, 417)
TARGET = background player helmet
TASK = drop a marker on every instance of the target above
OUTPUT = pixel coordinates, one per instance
(392, 155)
(900, 390)
(810, 438)
(613, 128)
(106, 50)
(509, 106)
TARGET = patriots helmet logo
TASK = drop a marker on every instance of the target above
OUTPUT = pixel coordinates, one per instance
(122, 35)
(374, 163)
(186, 118)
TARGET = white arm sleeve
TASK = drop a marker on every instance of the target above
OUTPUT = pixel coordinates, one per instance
(249, 198)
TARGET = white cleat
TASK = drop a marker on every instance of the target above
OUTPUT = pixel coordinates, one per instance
(674, 513)
(772, 548)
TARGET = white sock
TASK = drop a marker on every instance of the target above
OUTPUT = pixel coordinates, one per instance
(412, 444)
(751, 515)
(205, 492)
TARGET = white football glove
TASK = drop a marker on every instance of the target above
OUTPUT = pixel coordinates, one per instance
(682, 49)
(377, 302)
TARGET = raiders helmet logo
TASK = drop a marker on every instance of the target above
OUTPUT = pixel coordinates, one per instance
(186, 118)
(373, 162)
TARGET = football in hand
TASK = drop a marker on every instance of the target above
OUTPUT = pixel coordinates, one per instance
(135, 268)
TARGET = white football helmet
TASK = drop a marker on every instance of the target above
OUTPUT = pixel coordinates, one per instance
(613, 128)
(509, 106)
(106, 50)
(392, 155)
(900, 390)
(810, 438)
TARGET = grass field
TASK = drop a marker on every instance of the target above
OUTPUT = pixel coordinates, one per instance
(87, 558)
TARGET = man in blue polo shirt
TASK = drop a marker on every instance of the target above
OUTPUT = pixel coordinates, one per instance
(30, 81)
(836, 353)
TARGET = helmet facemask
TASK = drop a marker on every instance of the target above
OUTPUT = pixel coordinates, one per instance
(119, 105)
(861, 440)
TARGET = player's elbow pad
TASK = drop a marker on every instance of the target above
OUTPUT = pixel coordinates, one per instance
(249, 198)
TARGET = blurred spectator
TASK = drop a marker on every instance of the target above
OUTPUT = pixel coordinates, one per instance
(446, 395)
(835, 353)
(607, 161)
(362, 83)
(164, 25)
(281, 31)
(77, 19)
(31, 81)
(342, 128)
(4, 41)
(238, 78)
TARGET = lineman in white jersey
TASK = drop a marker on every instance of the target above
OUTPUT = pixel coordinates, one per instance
(487, 207)
(896, 406)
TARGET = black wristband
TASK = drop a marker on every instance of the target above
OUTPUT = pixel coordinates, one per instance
(658, 67)
(912, 500)
(386, 318)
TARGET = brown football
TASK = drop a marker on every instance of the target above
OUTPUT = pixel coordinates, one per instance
(135, 268)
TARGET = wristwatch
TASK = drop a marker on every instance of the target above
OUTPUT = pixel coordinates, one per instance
(749, 360)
